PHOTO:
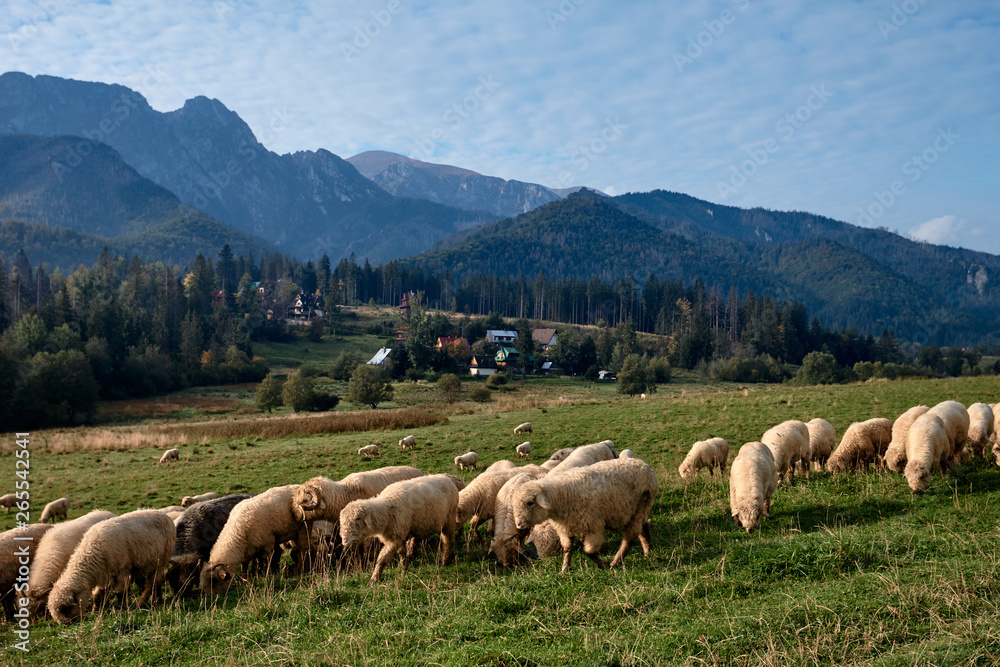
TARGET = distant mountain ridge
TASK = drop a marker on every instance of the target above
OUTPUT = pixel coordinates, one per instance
(449, 185)
(305, 203)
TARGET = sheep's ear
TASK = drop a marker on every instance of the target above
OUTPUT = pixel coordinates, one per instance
(368, 521)
(543, 501)
(322, 504)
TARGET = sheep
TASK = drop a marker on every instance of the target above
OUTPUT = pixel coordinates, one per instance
(7, 501)
(753, 477)
(255, 530)
(928, 446)
(135, 546)
(18, 547)
(789, 443)
(822, 440)
(524, 450)
(585, 456)
(561, 454)
(550, 464)
(420, 507)
(55, 509)
(981, 425)
(895, 454)
(712, 453)
(615, 494)
(955, 418)
(198, 530)
(642, 396)
(626, 454)
(477, 500)
(468, 460)
(996, 435)
(863, 443)
(523, 428)
(170, 455)
(368, 450)
(322, 498)
(506, 541)
(54, 551)
(188, 501)
(409, 442)
(502, 464)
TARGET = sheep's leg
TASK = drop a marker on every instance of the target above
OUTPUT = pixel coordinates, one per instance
(592, 547)
(388, 551)
(566, 542)
(644, 539)
(447, 544)
(145, 584)
(767, 507)
(473, 531)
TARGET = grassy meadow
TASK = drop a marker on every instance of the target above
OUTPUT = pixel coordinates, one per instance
(849, 569)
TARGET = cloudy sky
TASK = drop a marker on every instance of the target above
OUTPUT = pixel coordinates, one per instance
(875, 112)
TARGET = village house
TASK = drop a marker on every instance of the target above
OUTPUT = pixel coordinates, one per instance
(500, 337)
(482, 365)
(544, 338)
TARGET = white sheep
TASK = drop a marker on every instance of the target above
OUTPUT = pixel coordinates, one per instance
(584, 456)
(753, 477)
(955, 418)
(712, 453)
(822, 440)
(863, 443)
(409, 442)
(54, 551)
(170, 455)
(7, 501)
(502, 464)
(895, 453)
(626, 454)
(254, 531)
(789, 443)
(560, 455)
(642, 396)
(476, 502)
(614, 494)
(981, 425)
(524, 450)
(506, 541)
(996, 435)
(415, 508)
(368, 450)
(113, 553)
(57, 508)
(14, 554)
(322, 498)
(523, 428)
(467, 460)
(928, 446)
(188, 501)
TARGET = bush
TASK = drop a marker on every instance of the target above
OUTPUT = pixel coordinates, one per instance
(635, 376)
(309, 370)
(660, 367)
(819, 368)
(451, 387)
(369, 385)
(269, 394)
(496, 380)
(414, 374)
(763, 368)
(298, 392)
(343, 366)
(324, 401)
(480, 394)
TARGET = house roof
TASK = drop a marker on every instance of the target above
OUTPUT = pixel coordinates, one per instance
(500, 333)
(543, 336)
(380, 356)
(482, 362)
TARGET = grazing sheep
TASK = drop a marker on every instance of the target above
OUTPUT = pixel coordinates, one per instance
(642, 396)
(15, 554)
(955, 418)
(584, 502)
(550, 464)
(502, 464)
(456, 480)
(981, 424)
(477, 500)
(753, 477)
(712, 453)
(54, 551)
(863, 443)
(255, 530)
(409, 442)
(198, 529)
(7, 501)
(468, 460)
(561, 454)
(113, 553)
(322, 498)
(506, 541)
(524, 450)
(585, 456)
(414, 508)
(523, 428)
(170, 455)
(996, 435)
(789, 443)
(822, 440)
(55, 509)
(928, 446)
(895, 453)
(188, 501)
(170, 509)
(368, 450)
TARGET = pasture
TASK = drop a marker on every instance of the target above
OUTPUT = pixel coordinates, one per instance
(849, 569)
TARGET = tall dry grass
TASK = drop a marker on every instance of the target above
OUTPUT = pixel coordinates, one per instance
(131, 438)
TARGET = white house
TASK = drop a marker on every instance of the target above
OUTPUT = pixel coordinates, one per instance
(380, 356)
(500, 337)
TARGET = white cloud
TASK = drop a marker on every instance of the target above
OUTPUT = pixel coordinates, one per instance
(947, 230)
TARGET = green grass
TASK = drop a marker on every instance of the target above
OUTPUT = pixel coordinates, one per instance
(286, 357)
(848, 569)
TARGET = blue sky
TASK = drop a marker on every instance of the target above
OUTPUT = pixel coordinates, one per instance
(875, 112)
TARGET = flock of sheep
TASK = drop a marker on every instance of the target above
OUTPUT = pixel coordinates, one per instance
(579, 492)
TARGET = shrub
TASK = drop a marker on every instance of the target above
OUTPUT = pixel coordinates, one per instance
(763, 368)
(298, 392)
(635, 376)
(819, 368)
(369, 385)
(496, 380)
(450, 386)
(480, 394)
(269, 394)
(414, 374)
(343, 366)
(660, 367)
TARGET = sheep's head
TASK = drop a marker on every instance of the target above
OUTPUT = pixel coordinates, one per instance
(996, 453)
(917, 476)
(215, 577)
(355, 524)
(307, 500)
(464, 514)
(748, 517)
(687, 470)
(68, 606)
(187, 501)
(531, 506)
